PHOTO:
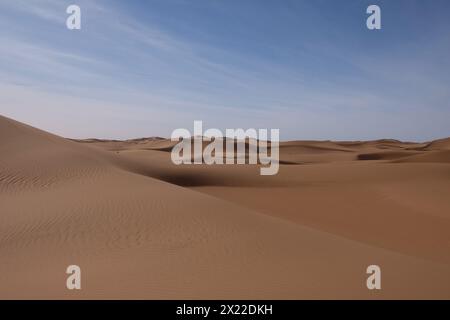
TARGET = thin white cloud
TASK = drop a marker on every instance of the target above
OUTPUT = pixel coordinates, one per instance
(49, 10)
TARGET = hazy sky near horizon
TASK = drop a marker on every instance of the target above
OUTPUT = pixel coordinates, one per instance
(308, 67)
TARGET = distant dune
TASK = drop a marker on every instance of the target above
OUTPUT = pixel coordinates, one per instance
(141, 227)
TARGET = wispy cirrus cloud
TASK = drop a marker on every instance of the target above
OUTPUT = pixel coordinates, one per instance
(221, 63)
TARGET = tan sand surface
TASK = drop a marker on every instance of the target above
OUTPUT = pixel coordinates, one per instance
(141, 227)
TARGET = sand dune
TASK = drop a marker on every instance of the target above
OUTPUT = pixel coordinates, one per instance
(141, 227)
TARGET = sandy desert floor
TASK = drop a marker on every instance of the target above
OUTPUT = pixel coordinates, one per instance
(142, 228)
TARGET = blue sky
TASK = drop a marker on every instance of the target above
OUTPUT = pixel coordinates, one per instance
(310, 68)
